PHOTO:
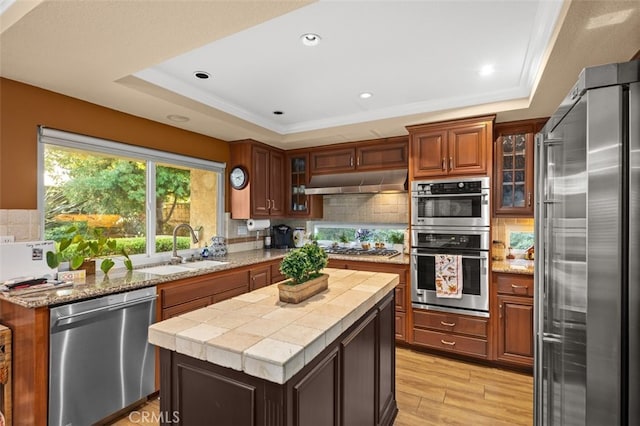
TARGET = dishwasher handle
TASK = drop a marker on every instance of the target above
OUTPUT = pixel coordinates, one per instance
(97, 311)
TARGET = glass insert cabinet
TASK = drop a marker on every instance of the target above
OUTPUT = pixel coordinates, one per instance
(299, 203)
(513, 167)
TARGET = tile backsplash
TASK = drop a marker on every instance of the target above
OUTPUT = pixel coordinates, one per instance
(23, 225)
(367, 208)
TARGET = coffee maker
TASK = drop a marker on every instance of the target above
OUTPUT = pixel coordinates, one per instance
(282, 237)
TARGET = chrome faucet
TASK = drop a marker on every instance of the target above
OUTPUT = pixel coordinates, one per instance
(175, 258)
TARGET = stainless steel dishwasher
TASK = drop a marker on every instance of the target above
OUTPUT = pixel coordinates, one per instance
(99, 357)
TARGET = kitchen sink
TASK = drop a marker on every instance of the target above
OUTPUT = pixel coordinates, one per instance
(202, 264)
(183, 267)
(164, 270)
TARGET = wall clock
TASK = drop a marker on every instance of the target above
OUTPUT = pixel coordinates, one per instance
(238, 177)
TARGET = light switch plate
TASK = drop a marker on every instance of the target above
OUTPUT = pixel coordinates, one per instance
(7, 239)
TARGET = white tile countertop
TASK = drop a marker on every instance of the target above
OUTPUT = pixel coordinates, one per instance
(266, 338)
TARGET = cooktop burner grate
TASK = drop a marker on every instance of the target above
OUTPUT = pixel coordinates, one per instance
(355, 251)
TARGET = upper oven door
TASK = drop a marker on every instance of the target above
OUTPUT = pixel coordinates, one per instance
(466, 209)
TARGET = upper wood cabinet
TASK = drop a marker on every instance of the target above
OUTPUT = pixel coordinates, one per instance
(299, 204)
(513, 167)
(461, 147)
(264, 194)
(379, 154)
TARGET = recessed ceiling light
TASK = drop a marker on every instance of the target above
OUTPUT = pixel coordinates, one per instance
(487, 70)
(366, 95)
(310, 39)
(202, 75)
(178, 118)
(278, 112)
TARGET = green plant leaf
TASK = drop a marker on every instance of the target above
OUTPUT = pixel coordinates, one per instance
(112, 245)
(76, 261)
(64, 243)
(52, 259)
(106, 265)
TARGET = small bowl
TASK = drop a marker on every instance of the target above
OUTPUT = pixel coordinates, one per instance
(366, 246)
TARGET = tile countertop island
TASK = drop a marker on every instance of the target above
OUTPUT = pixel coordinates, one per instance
(255, 348)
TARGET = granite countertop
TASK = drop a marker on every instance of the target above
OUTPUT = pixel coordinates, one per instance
(266, 338)
(516, 266)
(122, 280)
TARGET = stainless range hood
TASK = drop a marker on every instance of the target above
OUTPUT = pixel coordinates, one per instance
(358, 182)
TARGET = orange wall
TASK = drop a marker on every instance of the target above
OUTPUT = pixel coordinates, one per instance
(24, 107)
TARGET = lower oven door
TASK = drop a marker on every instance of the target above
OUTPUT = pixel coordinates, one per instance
(475, 283)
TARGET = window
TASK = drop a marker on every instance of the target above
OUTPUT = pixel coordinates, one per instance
(133, 195)
(328, 233)
(520, 237)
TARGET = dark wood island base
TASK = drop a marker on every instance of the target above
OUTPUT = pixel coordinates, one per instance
(351, 382)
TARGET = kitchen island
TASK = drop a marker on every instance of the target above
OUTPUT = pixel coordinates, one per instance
(255, 360)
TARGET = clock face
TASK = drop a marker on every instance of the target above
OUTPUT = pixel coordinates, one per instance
(238, 178)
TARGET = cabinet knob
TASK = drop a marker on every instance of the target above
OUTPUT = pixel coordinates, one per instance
(500, 311)
(350, 161)
(529, 199)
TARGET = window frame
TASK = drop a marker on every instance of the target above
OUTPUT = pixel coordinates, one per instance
(49, 136)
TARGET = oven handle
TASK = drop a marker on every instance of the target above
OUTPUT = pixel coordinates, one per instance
(413, 253)
(472, 194)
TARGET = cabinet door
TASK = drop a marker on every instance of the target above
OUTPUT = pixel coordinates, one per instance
(276, 184)
(514, 168)
(359, 374)
(298, 202)
(515, 338)
(376, 156)
(259, 277)
(467, 150)
(316, 396)
(260, 182)
(428, 152)
(338, 160)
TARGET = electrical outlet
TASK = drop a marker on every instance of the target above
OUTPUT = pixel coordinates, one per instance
(242, 230)
(7, 239)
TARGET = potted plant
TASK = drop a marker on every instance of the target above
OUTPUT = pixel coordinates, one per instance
(397, 239)
(344, 239)
(303, 267)
(85, 251)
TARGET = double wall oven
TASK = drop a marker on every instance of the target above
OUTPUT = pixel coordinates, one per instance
(451, 218)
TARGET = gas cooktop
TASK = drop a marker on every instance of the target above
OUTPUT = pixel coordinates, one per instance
(356, 251)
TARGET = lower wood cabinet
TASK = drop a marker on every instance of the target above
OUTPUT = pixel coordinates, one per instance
(463, 334)
(185, 295)
(259, 277)
(515, 318)
(403, 294)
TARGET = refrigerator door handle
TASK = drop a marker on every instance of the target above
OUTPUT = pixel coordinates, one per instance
(551, 338)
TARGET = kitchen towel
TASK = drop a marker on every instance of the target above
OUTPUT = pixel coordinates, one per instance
(448, 276)
(258, 224)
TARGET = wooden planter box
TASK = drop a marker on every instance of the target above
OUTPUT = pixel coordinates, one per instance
(301, 292)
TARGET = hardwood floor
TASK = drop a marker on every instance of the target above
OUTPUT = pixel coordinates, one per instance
(433, 390)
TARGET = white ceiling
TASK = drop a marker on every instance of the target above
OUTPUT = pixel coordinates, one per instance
(420, 59)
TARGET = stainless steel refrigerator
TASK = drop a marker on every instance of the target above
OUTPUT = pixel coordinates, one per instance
(587, 301)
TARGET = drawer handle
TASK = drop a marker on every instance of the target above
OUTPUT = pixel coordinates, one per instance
(448, 324)
(444, 342)
(518, 287)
